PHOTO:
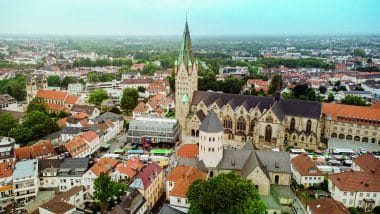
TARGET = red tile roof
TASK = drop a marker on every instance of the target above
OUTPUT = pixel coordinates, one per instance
(36, 150)
(104, 165)
(188, 151)
(352, 114)
(327, 205)
(52, 95)
(5, 170)
(76, 146)
(368, 162)
(305, 166)
(150, 171)
(141, 108)
(130, 167)
(90, 136)
(55, 107)
(62, 122)
(183, 177)
(71, 99)
(356, 181)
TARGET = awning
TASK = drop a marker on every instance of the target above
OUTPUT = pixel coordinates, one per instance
(118, 151)
(106, 145)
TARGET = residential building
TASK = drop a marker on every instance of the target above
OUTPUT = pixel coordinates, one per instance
(135, 83)
(91, 111)
(127, 170)
(177, 184)
(63, 174)
(60, 203)
(78, 148)
(56, 207)
(6, 187)
(25, 183)
(138, 67)
(132, 203)
(116, 119)
(326, 205)
(149, 182)
(358, 188)
(7, 150)
(103, 165)
(367, 95)
(92, 140)
(7, 102)
(229, 70)
(305, 171)
(356, 123)
(156, 130)
(75, 88)
(36, 151)
(130, 75)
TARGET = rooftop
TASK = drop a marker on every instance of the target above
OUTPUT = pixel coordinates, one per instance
(25, 169)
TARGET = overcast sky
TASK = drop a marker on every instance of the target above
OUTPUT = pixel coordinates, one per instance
(206, 17)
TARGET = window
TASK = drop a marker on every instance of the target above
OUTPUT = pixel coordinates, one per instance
(308, 127)
(178, 200)
(351, 193)
(344, 201)
(345, 193)
(276, 179)
(292, 124)
(268, 133)
(252, 126)
(240, 125)
(227, 123)
(361, 194)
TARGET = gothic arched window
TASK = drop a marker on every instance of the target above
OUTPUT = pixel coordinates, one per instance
(227, 123)
(292, 124)
(308, 127)
(268, 133)
(240, 124)
(252, 126)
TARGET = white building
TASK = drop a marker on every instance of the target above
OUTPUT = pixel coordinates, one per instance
(305, 171)
(7, 102)
(75, 88)
(358, 188)
(25, 183)
(237, 70)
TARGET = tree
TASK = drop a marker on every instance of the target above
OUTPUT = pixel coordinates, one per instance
(54, 81)
(311, 95)
(330, 98)
(40, 124)
(141, 89)
(96, 97)
(21, 134)
(225, 193)
(93, 77)
(273, 84)
(354, 100)
(105, 191)
(359, 52)
(322, 89)
(7, 122)
(115, 110)
(130, 99)
(67, 80)
(37, 105)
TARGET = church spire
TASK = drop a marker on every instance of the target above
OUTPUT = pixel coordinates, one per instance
(186, 54)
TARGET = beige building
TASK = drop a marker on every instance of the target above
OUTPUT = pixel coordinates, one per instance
(353, 123)
(149, 182)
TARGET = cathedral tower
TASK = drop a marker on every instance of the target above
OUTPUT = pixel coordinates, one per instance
(211, 140)
(186, 78)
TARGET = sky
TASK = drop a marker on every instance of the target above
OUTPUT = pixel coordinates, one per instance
(206, 17)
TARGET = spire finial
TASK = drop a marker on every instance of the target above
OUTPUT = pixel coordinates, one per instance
(186, 15)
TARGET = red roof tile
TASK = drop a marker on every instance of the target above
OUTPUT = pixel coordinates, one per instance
(52, 95)
(103, 165)
(149, 172)
(183, 177)
(90, 136)
(356, 181)
(368, 162)
(327, 205)
(305, 166)
(5, 170)
(71, 99)
(188, 151)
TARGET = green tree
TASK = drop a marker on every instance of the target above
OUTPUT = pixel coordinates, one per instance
(7, 122)
(359, 52)
(322, 89)
(311, 95)
(105, 190)
(96, 97)
(67, 80)
(93, 77)
(130, 99)
(331, 97)
(141, 89)
(273, 84)
(21, 134)
(37, 105)
(54, 81)
(40, 124)
(115, 110)
(225, 193)
(353, 100)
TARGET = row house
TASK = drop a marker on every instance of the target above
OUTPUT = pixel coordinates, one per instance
(62, 174)
(6, 187)
(7, 150)
(65, 202)
(127, 170)
(7, 102)
(91, 111)
(41, 150)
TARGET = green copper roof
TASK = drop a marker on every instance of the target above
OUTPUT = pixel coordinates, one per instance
(185, 98)
(186, 54)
